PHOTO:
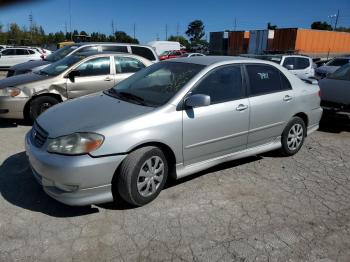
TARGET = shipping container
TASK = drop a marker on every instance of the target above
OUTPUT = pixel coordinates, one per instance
(218, 43)
(316, 43)
(258, 41)
(238, 42)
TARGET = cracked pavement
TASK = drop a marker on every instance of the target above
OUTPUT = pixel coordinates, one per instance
(263, 208)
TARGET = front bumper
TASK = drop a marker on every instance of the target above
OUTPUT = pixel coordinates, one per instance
(12, 107)
(88, 178)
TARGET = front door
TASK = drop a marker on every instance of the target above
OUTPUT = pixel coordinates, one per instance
(94, 75)
(222, 127)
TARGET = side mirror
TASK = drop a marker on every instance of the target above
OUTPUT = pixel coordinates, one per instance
(197, 101)
(290, 67)
(72, 74)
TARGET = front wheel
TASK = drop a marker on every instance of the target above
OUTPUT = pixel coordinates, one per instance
(293, 136)
(142, 175)
(39, 105)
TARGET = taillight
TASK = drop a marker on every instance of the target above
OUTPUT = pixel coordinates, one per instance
(319, 93)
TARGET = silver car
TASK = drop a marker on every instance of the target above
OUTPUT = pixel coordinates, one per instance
(28, 95)
(174, 118)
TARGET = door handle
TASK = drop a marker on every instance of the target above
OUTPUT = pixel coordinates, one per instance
(108, 79)
(241, 107)
(287, 98)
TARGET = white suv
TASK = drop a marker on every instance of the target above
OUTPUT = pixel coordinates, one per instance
(16, 55)
(299, 65)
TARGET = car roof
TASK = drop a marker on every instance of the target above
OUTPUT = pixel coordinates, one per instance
(108, 43)
(209, 60)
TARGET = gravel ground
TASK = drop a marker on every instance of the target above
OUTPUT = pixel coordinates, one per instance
(263, 208)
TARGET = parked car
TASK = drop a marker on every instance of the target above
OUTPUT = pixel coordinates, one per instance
(301, 66)
(331, 66)
(335, 92)
(191, 54)
(28, 95)
(162, 46)
(171, 54)
(15, 55)
(175, 118)
(144, 51)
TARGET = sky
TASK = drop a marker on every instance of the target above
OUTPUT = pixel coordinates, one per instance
(151, 17)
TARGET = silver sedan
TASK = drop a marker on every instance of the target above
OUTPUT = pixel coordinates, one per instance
(29, 95)
(173, 118)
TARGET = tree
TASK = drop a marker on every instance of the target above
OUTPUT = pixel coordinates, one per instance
(195, 31)
(123, 37)
(182, 40)
(83, 33)
(343, 29)
(271, 27)
(321, 26)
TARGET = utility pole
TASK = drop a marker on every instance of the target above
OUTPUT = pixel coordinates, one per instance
(235, 24)
(336, 20)
(70, 20)
(113, 28)
(31, 26)
(65, 27)
(134, 31)
(177, 31)
(166, 32)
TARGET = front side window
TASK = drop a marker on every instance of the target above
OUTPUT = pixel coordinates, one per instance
(60, 66)
(94, 67)
(127, 65)
(143, 51)
(222, 85)
(87, 49)
(31, 52)
(289, 61)
(338, 62)
(156, 84)
(264, 79)
(61, 53)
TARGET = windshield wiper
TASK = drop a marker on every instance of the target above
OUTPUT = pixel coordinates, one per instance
(133, 97)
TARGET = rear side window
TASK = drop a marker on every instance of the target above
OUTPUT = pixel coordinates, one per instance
(21, 52)
(290, 61)
(8, 52)
(143, 51)
(127, 65)
(264, 79)
(95, 67)
(222, 85)
(302, 63)
(110, 48)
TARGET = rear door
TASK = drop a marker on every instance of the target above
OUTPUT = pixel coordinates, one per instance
(125, 67)
(222, 127)
(302, 66)
(271, 101)
(94, 75)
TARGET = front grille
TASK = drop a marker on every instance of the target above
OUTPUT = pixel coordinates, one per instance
(10, 73)
(38, 135)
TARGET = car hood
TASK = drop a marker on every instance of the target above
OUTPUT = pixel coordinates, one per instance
(30, 65)
(88, 114)
(21, 80)
(337, 91)
(326, 69)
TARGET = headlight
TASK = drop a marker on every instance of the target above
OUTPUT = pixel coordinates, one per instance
(75, 144)
(10, 91)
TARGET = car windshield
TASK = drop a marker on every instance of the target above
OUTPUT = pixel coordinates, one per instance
(61, 65)
(60, 53)
(165, 53)
(157, 84)
(342, 73)
(338, 62)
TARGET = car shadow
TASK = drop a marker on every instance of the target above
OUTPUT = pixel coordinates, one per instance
(19, 187)
(332, 124)
(8, 123)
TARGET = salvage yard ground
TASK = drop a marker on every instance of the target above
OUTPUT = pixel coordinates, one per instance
(263, 208)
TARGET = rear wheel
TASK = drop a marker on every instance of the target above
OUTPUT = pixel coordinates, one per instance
(142, 175)
(293, 136)
(39, 105)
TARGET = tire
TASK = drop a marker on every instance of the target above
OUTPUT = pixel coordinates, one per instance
(137, 182)
(293, 137)
(39, 105)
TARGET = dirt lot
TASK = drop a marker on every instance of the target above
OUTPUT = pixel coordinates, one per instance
(263, 208)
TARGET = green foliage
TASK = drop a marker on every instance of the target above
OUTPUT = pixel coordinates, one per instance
(271, 27)
(122, 37)
(343, 29)
(195, 31)
(321, 26)
(182, 40)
